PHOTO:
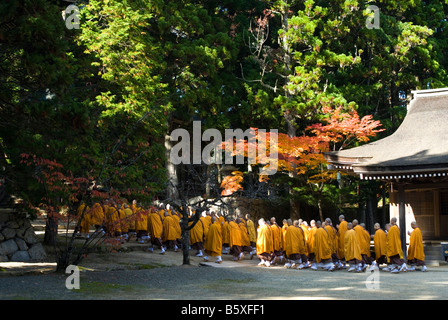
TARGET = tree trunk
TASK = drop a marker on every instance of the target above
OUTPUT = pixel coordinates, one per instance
(172, 179)
(51, 231)
(319, 205)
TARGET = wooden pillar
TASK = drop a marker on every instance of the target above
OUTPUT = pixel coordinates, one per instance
(402, 217)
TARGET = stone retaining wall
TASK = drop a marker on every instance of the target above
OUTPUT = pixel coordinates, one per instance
(18, 241)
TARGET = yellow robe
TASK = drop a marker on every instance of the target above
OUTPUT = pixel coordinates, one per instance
(394, 242)
(341, 239)
(245, 240)
(235, 234)
(366, 235)
(129, 218)
(225, 233)
(141, 219)
(294, 241)
(206, 224)
(86, 220)
(97, 214)
(178, 228)
(310, 243)
(169, 229)
(415, 250)
(155, 225)
(197, 232)
(213, 241)
(264, 240)
(322, 247)
(277, 237)
(122, 220)
(333, 236)
(379, 242)
(251, 229)
(352, 250)
(362, 239)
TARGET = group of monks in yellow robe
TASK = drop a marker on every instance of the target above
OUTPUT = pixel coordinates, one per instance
(323, 246)
(114, 219)
(319, 245)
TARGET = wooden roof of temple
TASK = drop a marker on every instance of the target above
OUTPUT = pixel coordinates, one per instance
(417, 149)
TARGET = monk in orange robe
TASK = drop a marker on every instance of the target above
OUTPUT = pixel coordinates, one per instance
(362, 242)
(394, 250)
(322, 249)
(235, 240)
(334, 243)
(416, 254)
(141, 224)
(245, 240)
(176, 216)
(295, 246)
(342, 228)
(379, 243)
(252, 232)
(155, 227)
(226, 236)
(213, 241)
(310, 242)
(264, 245)
(169, 235)
(97, 215)
(197, 237)
(128, 221)
(278, 241)
(206, 221)
(368, 255)
(352, 250)
(83, 213)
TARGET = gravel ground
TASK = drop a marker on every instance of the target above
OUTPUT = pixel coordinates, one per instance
(141, 275)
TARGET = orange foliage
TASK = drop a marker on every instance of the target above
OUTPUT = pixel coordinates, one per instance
(303, 153)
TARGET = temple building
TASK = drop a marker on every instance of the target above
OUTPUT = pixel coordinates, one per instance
(414, 159)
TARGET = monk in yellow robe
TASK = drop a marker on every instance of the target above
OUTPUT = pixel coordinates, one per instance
(97, 215)
(176, 216)
(362, 242)
(310, 242)
(169, 235)
(197, 236)
(394, 250)
(333, 234)
(252, 232)
(295, 246)
(379, 243)
(322, 249)
(83, 213)
(116, 220)
(352, 249)
(416, 254)
(245, 240)
(141, 224)
(123, 223)
(221, 218)
(342, 228)
(129, 221)
(278, 241)
(206, 220)
(285, 224)
(367, 239)
(235, 240)
(264, 245)
(213, 241)
(226, 236)
(155, 228)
